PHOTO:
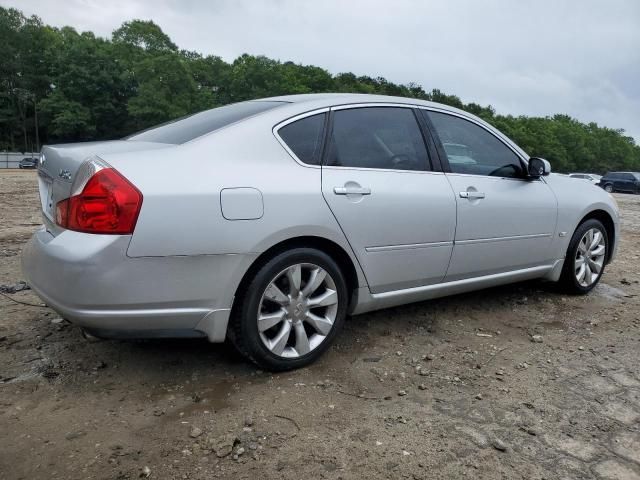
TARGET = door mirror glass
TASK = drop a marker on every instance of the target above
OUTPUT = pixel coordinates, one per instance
(538, 167)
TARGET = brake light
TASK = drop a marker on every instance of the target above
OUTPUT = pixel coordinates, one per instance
(107, 204)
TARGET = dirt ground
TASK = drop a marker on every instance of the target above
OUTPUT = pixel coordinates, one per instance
(442, 389)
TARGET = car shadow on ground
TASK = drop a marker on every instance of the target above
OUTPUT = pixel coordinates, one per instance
(171, 358)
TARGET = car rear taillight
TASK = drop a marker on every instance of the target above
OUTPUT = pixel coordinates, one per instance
(102, 201)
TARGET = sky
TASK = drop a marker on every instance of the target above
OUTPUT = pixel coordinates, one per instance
(526, 57)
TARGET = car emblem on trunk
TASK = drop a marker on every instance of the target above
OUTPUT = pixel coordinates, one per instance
(64, 174)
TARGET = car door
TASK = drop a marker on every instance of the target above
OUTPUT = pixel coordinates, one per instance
(628, 182)
(397, 213)
(505, 222)
(618, 181)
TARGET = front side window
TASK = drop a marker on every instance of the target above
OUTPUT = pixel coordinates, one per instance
(304, 138)
(377, 137)
(473, 150)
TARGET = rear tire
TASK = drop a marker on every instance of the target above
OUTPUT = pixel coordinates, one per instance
(608, 188)
(586, 258)
(289, 313)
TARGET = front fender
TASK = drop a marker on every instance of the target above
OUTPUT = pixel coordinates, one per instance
(578, 199)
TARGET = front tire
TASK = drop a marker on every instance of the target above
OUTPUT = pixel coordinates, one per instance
(290, 312)
(586, 258)
(608, 188)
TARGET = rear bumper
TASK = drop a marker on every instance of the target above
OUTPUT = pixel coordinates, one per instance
(89, 280)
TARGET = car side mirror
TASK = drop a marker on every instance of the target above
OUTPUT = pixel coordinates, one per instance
(538, 167)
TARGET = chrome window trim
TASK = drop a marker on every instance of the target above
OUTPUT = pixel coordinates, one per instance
(369, 169)
(347, 106)
(477, 175)
(295, 118)
(504, 140)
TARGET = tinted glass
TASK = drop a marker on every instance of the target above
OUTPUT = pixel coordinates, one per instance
(473, 150)
(304, 138)
(198, 124)
(377, 137)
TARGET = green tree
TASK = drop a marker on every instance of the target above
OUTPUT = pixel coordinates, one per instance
(60, 85)
(145, 35)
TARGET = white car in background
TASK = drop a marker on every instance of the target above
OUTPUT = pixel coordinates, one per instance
(591, 177)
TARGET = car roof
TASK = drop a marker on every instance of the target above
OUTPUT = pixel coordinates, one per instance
(320, 100)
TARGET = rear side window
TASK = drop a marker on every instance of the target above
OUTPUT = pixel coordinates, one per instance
(377, 137)
(304, 138)
(194, 126)
(473, 150)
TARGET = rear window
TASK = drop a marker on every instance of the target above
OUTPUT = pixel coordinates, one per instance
(187, 128)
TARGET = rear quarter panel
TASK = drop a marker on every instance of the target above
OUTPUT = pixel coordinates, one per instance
(181, 186)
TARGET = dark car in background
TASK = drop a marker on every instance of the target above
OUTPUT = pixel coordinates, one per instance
(28, 163)
(621, 182)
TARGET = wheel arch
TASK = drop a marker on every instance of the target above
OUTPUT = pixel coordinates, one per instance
(606, 219)
(331, 248)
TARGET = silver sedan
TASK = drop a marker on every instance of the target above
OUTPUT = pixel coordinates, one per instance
(268, 222)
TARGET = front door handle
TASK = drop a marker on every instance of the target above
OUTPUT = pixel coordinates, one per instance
(351, 191)
(472, 195)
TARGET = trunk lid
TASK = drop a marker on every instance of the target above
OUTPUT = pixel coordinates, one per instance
(59, 164)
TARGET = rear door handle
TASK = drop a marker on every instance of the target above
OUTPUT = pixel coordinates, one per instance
(351, 191)
(472, 195)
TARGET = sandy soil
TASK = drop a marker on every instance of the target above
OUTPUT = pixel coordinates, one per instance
(441, 389)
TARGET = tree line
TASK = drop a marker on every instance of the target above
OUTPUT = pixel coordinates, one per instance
(58, 85)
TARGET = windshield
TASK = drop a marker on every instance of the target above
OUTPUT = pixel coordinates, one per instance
(185, 129)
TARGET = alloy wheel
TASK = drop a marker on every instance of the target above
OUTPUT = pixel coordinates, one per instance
(297, 310)
(590, 257)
